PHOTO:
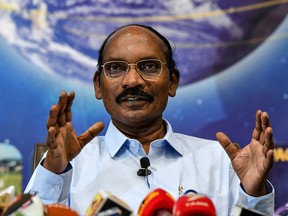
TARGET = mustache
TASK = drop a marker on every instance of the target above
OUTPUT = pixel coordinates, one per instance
(134, 92)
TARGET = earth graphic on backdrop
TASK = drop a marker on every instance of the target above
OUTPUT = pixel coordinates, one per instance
(63, 37)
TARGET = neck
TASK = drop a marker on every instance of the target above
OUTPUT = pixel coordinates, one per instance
(144, 133)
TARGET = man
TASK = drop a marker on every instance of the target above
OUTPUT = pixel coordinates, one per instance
(136, 75)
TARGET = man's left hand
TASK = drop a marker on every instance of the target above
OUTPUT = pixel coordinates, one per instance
(253, 162)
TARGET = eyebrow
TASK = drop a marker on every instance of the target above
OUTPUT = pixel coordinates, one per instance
(142, 58)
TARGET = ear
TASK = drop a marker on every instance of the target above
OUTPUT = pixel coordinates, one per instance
(97, 89)
(174, 81)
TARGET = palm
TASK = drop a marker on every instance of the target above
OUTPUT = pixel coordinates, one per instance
(71, 145)
(63, 143)
(253, 162)
(250, 164)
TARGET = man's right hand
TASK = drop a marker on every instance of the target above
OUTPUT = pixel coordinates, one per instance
(62, 141)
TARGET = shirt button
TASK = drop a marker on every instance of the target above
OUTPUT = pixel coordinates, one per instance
(33, 192)
(57, 187)
(134, 144)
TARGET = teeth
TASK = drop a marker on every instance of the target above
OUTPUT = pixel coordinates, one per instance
(132, 99)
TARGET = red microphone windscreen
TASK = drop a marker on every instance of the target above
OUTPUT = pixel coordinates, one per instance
(194, 204)
(59, 209)
(156, 200)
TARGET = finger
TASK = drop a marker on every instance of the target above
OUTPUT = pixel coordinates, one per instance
(51, 137)
(52, 118)
(270, 159)
(68, 111)
(258, 126)
(61, 118)
(265, 121)
(226, 143)
(269, 142)
(89, 134)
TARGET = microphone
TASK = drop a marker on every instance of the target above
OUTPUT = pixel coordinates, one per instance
(108, 204)
(145, 164)
(194, 204)
(28, 204)
(144, 171)
(24, 204)
(157, 202)
(58, 209)
(7, 195)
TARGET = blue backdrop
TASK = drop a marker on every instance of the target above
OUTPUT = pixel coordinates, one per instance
(232, 55)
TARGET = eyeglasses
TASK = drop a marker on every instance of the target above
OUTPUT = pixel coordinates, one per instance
(147, 68)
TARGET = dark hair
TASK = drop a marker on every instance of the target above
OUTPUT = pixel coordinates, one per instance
(168, 50)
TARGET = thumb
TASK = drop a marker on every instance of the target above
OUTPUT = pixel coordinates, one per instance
(89, 134)
(230, 148)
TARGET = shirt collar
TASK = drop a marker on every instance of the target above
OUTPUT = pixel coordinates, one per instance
(171, 138)
(114, 139)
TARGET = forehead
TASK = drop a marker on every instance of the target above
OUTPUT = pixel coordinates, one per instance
(134, 41)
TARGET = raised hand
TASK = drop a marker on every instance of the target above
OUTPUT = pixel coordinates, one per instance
(62, 141)
(253, 162)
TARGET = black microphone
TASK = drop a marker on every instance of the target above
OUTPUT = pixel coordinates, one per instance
(145, 164)
(144, 171)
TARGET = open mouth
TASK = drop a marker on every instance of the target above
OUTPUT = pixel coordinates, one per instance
(134, 95)
(134, 98)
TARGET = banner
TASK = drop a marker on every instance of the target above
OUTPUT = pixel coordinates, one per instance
(232, 56)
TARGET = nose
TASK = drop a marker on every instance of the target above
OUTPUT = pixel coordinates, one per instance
(132, 78)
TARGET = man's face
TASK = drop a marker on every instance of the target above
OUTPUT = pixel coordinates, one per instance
(132, 100)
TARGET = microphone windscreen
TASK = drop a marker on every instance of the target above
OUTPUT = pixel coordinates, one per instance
(7, 195)
(59, 209)
(25, 204)
(194, 204)
(155, 202)
(103, 201)
(144, 162)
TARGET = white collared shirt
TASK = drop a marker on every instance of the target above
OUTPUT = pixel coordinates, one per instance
(111, 163)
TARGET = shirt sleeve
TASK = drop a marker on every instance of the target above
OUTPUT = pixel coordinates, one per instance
(263, 204)
(50, 187)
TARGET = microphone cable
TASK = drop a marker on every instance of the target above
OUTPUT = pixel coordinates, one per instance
(144, 170)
